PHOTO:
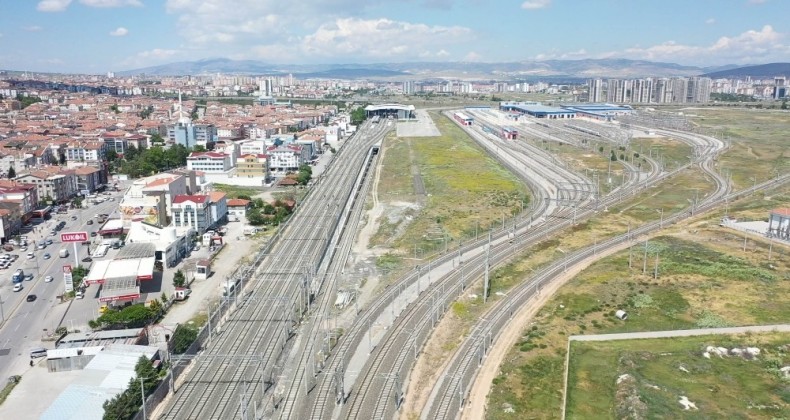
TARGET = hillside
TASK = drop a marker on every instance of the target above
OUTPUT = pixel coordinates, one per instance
(762, 71)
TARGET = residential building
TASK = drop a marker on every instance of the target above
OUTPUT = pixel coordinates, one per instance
(88, 179)
(595, 89)
(10, 219)
(252, 147)
(238, 207)
(209, 162)
(190, 135)
(192, 212)
(287, 158)
(58, 187)
(25, 194)
(252, 165)
(219, 207)
(82, 151)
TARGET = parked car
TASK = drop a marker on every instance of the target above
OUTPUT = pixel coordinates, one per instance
(93, 234)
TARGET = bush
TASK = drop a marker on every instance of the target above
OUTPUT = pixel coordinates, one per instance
(134, 316)
(183, 337)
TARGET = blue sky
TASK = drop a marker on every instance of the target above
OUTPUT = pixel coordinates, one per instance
(96, 36)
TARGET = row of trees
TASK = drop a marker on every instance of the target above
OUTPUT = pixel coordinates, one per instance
(125, 405)
(143, 162)
(133, 316)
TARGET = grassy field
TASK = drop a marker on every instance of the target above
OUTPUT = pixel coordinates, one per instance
(758, 137)
(465, 190)
(671, 196)
(675, 153)
(704, 280)
(234, 191)
(729, 387)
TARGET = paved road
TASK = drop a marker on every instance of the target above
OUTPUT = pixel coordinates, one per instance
(681, 333)
(28, 323)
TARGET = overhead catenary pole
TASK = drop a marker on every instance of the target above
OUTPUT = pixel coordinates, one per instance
(485, 281)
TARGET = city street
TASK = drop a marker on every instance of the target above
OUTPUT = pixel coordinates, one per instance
(27, 325)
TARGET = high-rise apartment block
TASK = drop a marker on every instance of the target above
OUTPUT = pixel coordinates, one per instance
(651, 90)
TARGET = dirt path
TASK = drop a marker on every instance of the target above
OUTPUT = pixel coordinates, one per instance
(477, 402)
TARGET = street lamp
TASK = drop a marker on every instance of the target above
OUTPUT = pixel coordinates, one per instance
(661, 221)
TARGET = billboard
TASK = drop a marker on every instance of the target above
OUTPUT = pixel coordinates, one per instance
(148, 214)
(68, 279)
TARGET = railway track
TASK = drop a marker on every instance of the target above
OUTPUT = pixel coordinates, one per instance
(230, 378)
(457, 377)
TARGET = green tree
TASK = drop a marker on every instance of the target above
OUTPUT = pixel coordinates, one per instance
(183, 337)
(254, 217)
(163, 298)
(114, 108)
(784, 105)
(111, 155)
(358, 116)
(613, 157)
(134, 316)
(179, 279)
(131, 153)
(11, 172)
(156, 138)
(258, 203)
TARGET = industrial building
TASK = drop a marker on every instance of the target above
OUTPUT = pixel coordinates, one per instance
(779, 224)
(601, 112)
(537, 110)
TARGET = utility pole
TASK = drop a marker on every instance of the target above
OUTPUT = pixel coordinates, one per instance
(644, 262)
(485, 281)
(655, 272)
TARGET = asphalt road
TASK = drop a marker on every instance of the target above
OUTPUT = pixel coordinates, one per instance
(25, 325)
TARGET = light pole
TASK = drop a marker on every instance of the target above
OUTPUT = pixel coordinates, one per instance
(661, 221)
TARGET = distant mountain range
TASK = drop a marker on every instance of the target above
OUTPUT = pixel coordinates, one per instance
(571, 70)
(762, 71)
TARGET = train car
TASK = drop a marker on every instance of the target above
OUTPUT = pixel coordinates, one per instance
(509, 133)
(463, 118)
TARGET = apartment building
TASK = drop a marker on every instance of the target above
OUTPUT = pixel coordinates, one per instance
(209, 162)
(287, 158)
(59, 187)
(252, 165)
(192, 211)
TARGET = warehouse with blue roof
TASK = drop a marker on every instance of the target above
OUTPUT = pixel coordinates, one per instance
(537, 110)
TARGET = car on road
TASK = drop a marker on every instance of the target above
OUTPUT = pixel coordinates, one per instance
(87, 259)
(73, 217)
(48, 279)
(31, 255)
(28, 277)
(31, 298)
(18, 287)
(93, 234)
(46, 256)
(90, 222)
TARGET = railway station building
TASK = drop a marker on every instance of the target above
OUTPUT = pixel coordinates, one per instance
(397, 111)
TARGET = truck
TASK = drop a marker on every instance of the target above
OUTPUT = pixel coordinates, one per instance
(63, 253)
(18, 276)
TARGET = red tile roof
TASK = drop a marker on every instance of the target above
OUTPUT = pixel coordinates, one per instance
(785, 211)
(238, 202)
(193, 198)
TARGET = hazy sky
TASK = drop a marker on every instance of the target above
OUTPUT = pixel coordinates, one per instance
(96, 36)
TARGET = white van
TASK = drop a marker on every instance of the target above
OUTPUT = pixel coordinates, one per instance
(38, 352)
